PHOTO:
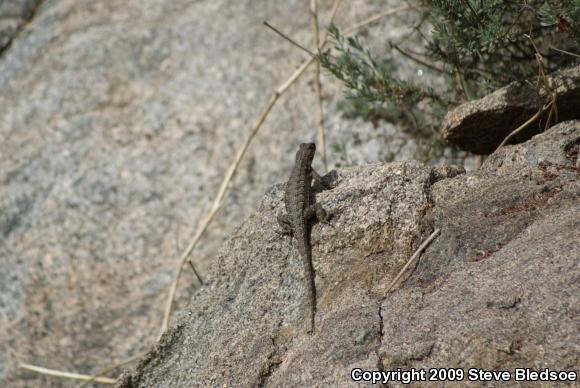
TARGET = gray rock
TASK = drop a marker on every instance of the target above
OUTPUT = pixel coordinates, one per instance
(480, 126)
(13, 15)
(498, 289)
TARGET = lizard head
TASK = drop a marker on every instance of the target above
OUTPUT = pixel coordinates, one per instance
(306, 151)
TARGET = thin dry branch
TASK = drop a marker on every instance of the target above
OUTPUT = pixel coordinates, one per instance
(478, 161)
(564, 52)
(374, 18)
(552, 104)
(112, 368)
(318, 88)
(66, 375)
(195, 272)
(415, 255)
(524, 125)
(283, 35)
(415, 59)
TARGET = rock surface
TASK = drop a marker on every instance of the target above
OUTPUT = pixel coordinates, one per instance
(498, 289)
(480, 126)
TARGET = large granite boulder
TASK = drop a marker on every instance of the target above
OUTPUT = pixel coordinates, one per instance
(499, 289)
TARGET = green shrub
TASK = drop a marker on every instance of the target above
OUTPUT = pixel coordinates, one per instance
(482, 45)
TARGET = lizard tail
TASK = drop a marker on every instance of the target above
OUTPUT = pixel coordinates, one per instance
(311, 291)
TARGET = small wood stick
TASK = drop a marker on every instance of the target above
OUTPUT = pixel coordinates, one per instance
(318, 88)
(112, 368)
(195, 271)
(277, 31)
(66, 375)
(415, 255)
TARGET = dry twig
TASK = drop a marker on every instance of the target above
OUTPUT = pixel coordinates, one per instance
(415, 59)
(415, 255)
(195, 272)
(524, 125)
(283, 35)
(373, 19)
(317, 88)
(552, 104)
(66, 375)
(564, 52)
(112, 368)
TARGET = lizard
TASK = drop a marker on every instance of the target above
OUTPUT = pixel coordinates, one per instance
(300, 211)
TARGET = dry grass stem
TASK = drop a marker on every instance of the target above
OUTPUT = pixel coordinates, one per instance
(547, 87)
(195, 272)
(283, 35)
(374, 18)
(415, 59)
(227, 179)
(478, 161)
(112, 368)
(552, 104)
(521, 127)
(66, 375)
(318, 87)
(564, 52)
(415, 255)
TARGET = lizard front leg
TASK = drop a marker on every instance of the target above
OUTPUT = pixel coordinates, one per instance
(285, 224)
(315, 211)
(318, 179)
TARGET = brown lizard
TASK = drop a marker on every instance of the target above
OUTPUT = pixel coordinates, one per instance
(301, 209)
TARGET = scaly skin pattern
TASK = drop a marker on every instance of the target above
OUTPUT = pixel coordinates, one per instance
(300, 210)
